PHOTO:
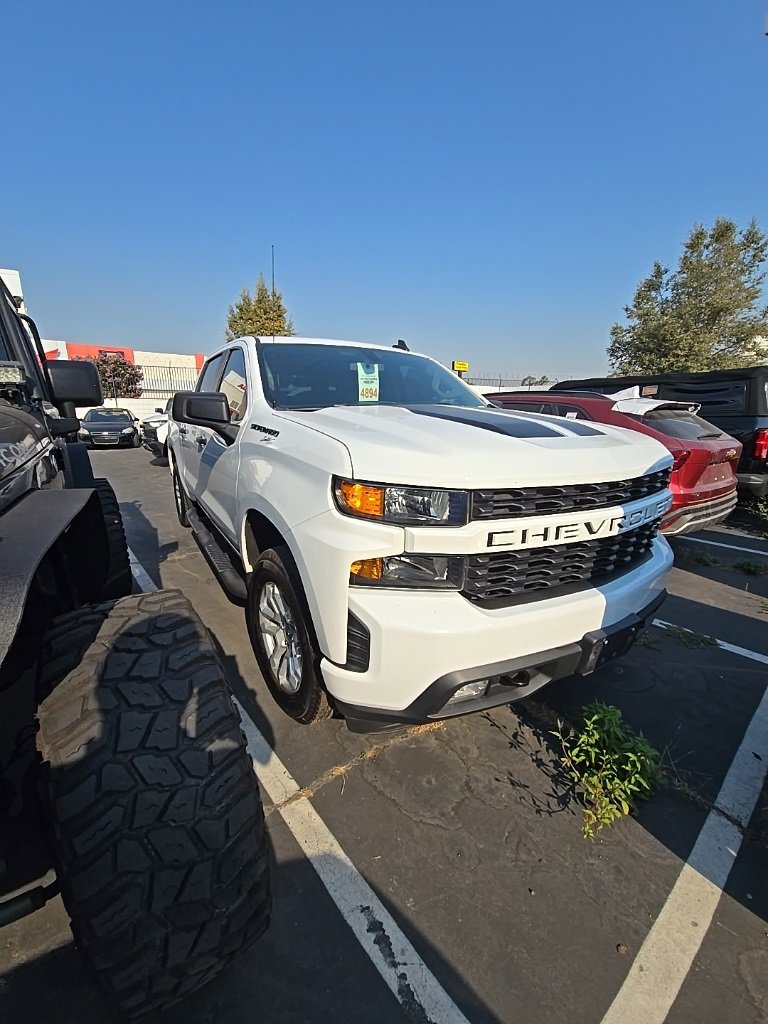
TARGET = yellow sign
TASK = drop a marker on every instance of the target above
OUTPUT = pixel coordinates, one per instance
(459, 365)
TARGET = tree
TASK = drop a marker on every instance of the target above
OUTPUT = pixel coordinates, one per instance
(534, 382)
(703, 316)
(119, 378)
(261, 314)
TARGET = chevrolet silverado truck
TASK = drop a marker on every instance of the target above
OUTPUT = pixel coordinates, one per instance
(126, 787)
(404, 551)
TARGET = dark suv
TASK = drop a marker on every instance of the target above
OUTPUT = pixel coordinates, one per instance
(736, 401)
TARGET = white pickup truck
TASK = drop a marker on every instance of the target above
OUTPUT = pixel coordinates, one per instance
(404, 551)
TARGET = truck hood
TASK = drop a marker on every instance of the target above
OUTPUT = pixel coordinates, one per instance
(22, 437)
(448, 446)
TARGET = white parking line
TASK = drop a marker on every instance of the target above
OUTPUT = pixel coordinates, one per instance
(143, 579)
(719, 544)
(743, 652)
(667, 954)
(405, 973)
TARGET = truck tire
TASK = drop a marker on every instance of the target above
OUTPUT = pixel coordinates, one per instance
(156, 818)
(119, 581)
(283, 639)
(179, 497)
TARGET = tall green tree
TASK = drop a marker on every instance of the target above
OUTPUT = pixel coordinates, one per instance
(261, 314)
(706, 315)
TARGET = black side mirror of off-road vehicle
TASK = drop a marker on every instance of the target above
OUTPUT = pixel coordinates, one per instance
(74, 380)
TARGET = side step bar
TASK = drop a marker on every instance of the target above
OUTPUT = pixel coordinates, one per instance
(218, 557)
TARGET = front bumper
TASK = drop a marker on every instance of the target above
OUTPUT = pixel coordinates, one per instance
(111, 441)
(510, 680)
(701, 516)
(425, 646)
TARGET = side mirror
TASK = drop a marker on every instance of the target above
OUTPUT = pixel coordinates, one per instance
(74, 380)
(205, 409)
(159, 409)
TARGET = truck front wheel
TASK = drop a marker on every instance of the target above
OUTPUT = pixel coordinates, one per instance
(155, 811)
(282, 637)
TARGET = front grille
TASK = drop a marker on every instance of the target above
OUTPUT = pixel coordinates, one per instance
(506, 575)
(509, 503)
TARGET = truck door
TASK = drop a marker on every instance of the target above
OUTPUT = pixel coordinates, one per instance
(219, 462)
(193, 439)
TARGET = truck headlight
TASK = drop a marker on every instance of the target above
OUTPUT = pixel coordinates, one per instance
(416, 572)
(403, 506)
(82, 432)
(127, 430)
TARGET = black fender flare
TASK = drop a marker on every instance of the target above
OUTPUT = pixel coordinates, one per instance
(76, 464)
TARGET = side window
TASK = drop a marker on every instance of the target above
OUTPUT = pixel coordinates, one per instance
(519, 406)
(209, 378)
(234, 384)
(571, 412)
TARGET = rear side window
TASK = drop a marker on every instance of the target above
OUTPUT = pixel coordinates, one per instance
(209, 378)
(685, 426)
(571, 412)
(518, 406)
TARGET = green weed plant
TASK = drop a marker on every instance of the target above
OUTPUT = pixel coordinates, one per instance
(611, 765)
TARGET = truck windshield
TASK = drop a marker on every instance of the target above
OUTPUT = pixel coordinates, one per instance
(298, 376)
(112, 415)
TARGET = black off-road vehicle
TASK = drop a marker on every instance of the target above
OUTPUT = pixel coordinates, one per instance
(125, 784)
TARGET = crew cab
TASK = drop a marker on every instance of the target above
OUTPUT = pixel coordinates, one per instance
(703, 481)
(404, 550)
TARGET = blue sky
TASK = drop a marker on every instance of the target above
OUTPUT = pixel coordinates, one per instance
(487, 180)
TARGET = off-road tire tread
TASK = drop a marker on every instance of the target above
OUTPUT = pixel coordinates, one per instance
(119, 581)
(156, 815)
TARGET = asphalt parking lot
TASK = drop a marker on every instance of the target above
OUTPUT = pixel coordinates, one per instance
(469, 838)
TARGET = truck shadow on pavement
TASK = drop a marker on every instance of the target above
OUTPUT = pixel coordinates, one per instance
(144, 539)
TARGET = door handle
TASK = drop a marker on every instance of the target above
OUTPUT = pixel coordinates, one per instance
(202, 440)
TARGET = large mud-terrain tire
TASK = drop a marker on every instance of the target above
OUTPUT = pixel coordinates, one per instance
(157, 824)
(119, 579)
(282, 637)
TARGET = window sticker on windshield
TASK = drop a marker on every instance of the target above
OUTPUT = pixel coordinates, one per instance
(367, 382)
(649, 390)
(571, 415)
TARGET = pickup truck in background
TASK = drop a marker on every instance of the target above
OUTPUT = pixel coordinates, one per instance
(405, 551)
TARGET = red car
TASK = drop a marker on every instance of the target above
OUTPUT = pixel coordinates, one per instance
(703, 480)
